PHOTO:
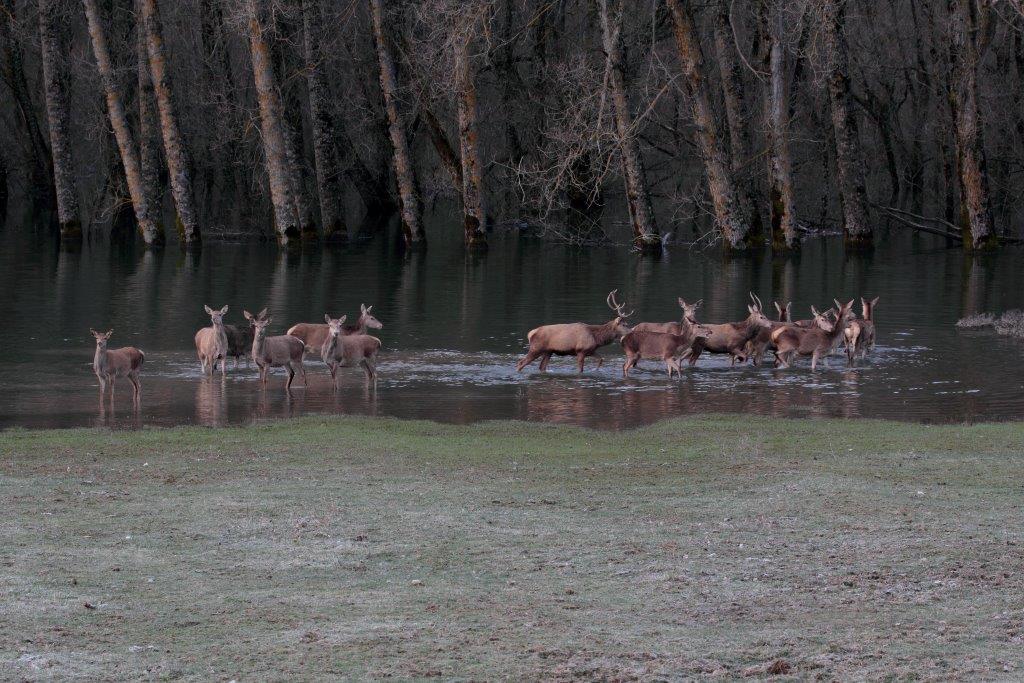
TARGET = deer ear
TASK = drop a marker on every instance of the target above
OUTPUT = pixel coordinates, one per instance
(362, 308)
(369, 308)
(874, 301)
(682, 303)
(94, 332)
(750, 308)
(342, 319)
(246, 314)
(697, 303)
(327, 318)
(209, 310)
(262, 314)
(224, 310)
(109, 332)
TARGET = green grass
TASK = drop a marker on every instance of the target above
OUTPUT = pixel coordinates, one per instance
(708, 547)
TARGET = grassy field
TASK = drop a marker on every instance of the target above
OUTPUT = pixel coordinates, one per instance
(367, 548)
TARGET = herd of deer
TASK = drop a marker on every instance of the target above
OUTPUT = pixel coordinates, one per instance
(340, 345)
(673, 342)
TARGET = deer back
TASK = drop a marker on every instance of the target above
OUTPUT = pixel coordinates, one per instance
(278, 350)
(312, 335)
(563, 338)
(212, 341)
(664, 328)
(350, 348)
(119, 361)
(650, 344)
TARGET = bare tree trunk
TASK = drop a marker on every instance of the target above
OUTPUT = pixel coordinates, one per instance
(849, 160)
(145, 213)
(12, 69)
(976, 214)
(328, 172)
(178, 163)
(412, 212)
(149, 127)
(729, 214)
(474, 215)
(780, 167)
(57, 118)
(286, 215)
(645, 229)
(737, 118)
(449, 159)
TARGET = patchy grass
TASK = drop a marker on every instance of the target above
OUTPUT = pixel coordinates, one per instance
(709, 547)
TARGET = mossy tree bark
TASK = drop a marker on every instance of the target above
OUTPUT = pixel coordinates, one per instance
(145, 213)
(57, 120)
(474, 214)
(776, 103)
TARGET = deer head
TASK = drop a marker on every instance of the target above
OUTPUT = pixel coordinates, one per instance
(619, 323)
(101, 338)
(259, 327)
(821, 319)
(334, 325)
(216, 317)
(757, 316)
(252, 319)
(785, 313)
(690, 310)
(867, 308)
(367, 319)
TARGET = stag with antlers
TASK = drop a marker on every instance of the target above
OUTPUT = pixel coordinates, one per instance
(575, 339)
(732, 338)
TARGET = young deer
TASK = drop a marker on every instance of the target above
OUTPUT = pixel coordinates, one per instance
(315, 334)
(109, 365)
(212, 343)
(688, 320)
(860, 334)
(346, 350)
(575, 339)
(816, 342)
(663, 346)
(731, 338)
(275, 352)
(240, 339)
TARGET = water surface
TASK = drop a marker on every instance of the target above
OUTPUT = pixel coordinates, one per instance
(454, 326)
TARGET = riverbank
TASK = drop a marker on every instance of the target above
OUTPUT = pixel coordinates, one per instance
(715, 547)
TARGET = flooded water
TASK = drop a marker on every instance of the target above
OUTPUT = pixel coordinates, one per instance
(454, 325)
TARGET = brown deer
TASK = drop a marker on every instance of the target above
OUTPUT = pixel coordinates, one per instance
(763, 341)
(282, 351)
(575, 339)
(212, 342)
(664, 346)
(240, 339)
(689, 319)
(109, 365)
(817, 342)
(860, 333)
(346, 350)
(315, 334)
(731, 338)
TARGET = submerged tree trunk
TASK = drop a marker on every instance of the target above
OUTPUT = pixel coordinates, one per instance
(736, 118)
(325, 154)
(286, 215)
(145, 213)
(412, 213)
(474, 215)
(730, 218)
(178, 163)
(780, 167)
(645, 229)
(975, 211)
(849, 160)
(57, 118)
(449, 159)
(149, 147)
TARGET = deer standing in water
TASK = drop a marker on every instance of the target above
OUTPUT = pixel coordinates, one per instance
(688, 320)
(860, 334)
(346, 350)
(212, 343)
(282, 351)
(315, 334)
(111, 364)
(663, 346)
(731, 338)
(763, 341)
(240, 339)
(575, 339)
(817, 342)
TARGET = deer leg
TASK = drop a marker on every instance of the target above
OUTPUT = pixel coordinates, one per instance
(814, 360)
(369, 369)
(291, 375)
(302, 367)
(600, 359)
(136, 389)
(545, 359)
(694, 353)
(530, 356)
(581, 358)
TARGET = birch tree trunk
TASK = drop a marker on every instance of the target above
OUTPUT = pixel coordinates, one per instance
(57, 119)
(474, 215)
(286, 215)
(645, 229)
(145, 213)
(328, 172)
(737, 118)
(412, 212)
(729, 216)
(780, 167)
(149, 127)
(975, 210)
(178, 163)
(849, 160)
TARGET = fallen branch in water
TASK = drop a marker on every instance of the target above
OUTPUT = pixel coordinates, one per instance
(904, 217)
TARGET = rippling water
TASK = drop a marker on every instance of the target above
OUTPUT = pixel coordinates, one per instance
(455, 325)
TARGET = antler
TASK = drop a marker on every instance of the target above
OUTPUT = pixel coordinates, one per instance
(757, 301)
(616, 306)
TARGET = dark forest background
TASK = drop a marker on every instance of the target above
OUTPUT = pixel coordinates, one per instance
(745, 122)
